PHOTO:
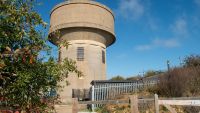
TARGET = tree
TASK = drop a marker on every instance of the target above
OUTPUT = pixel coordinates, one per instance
(138, 77)
(118, 78)
(26, 81)
(192, 61)
(152, 73)
(181, 81)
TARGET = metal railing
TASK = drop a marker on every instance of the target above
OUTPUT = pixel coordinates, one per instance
(104, 90)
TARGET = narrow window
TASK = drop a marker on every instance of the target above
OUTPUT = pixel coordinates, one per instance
(80, 54)
(59, 55)
(103, 56)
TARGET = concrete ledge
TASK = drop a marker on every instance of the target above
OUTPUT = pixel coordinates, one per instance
(54, 39)
(82, 2)
(81, 24)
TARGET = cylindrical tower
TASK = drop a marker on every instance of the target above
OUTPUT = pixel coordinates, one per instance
(88, 26)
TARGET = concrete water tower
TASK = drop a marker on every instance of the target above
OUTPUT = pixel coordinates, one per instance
(88, 26)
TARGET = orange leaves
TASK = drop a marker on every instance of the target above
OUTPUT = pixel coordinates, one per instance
(28, 58)
(2, 64)
(25, 54)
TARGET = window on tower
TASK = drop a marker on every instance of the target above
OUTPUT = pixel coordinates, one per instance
(59, 56)
(103, 56)
(80, 54)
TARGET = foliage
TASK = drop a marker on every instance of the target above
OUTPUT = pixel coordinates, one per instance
(26, 82)
(118, 78)
(180, 82)
(18, 26)
(149, 73)
(123, 108)
(115, 108)
(134, 78)
(192, 61)
(152, 73)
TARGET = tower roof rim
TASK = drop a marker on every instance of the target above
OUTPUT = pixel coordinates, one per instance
(82, 2)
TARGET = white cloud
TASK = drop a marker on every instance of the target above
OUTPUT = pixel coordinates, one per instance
(143, 47)
(121, 56)
(180, 27)
(157, 43)
(132, 9)
(197, 2)
(179, 31)
(152, 23)
(168, 43)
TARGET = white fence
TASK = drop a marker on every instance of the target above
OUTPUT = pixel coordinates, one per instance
(182, 101)
(134, 102)
(105, 90)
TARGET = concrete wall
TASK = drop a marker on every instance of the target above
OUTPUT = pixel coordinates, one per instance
(83, 14)
(92, 67)
(86, 13)
(87, 24)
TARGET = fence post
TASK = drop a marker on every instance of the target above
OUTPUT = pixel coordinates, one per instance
(134, 103)
(156, 104)
(93, 98)
(74, 105)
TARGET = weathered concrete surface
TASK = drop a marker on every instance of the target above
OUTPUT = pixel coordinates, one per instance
(83, 14)
(87, 24)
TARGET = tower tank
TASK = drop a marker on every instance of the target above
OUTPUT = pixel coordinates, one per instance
(88, 27)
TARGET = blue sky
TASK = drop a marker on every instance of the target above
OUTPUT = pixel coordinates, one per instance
(149, 32)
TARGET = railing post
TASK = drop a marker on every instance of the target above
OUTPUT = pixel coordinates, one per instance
(156, 104)
(74, 105)
(134, 103)
(93, 98)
